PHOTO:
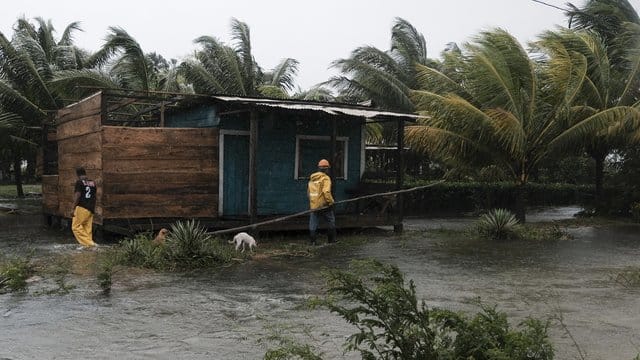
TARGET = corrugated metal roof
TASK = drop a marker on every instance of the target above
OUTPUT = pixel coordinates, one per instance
(327, 108)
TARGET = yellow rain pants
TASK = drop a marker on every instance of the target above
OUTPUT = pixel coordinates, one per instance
(82, 226)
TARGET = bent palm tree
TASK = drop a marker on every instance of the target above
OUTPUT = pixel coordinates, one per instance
(222, 69)
(581, 67)
(493, 105)
(384, 77)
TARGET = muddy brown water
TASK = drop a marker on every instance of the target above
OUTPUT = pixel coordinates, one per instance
(239, 312)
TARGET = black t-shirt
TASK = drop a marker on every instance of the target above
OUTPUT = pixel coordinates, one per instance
(87, 190)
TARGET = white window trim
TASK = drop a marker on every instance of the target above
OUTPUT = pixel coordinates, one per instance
(327, 138)
(221, 166)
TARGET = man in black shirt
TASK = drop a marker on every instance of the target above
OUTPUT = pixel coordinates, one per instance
(84, 204)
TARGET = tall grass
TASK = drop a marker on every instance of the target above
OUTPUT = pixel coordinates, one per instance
(14, 274)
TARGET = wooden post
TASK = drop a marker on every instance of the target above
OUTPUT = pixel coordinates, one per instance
(398, 227)
(332, 157)
(104, 109)
(253, 166)
(162, 114)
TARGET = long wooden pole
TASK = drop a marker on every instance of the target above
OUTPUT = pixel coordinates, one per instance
(283, 218)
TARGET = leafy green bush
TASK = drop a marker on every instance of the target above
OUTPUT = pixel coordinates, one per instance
(498, 224)
(187, 246)
(140, 251)
(292, 351)
(393, 324)
(455, 197)
(14, 274)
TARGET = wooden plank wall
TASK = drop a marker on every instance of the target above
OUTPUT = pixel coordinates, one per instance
(79, 144)
(159, 172)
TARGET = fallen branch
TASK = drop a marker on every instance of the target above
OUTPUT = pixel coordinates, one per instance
(291, 216)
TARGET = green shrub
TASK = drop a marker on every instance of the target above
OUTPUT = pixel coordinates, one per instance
(105, 267)
(393, 324)
(290, 350)
(14, 274)
(455, 197)
(187, 246)
(498, 224)
(140, 251)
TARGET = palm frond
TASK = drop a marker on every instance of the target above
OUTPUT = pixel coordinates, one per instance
(283, 74)
(67, 35)
(593, 124)
(23, 74)
(15, 102)
(409, 44)
(242, 36)
(133, 64)
(77, 84)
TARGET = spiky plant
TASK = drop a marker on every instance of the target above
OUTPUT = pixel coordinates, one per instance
(14, 274)
(189, 245)
(498, 224)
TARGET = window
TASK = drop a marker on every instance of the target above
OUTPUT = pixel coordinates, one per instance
(310, 149)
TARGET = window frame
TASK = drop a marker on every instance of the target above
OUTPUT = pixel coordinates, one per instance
(345, 162)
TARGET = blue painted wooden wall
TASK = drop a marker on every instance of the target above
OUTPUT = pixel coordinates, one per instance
(278, 191)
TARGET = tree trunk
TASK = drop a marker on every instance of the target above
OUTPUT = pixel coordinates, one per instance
(30, 175)
(599, 180)
(17, 169)
(521, 202)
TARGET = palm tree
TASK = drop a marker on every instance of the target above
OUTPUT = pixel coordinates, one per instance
(493, 106)
(218, 68)
(581, 67)
(27, 64)
(121, 63)
(616, 21)
(385, 78)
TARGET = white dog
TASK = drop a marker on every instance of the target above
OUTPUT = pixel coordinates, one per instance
(243, 238)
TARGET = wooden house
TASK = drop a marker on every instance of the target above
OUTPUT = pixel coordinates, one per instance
(223, 160)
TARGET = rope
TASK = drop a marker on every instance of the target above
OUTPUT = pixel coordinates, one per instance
(291, 216)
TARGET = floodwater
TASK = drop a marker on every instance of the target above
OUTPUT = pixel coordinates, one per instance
(241, 311)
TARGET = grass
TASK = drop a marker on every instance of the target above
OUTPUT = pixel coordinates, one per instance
(14, 274)
(9, 191)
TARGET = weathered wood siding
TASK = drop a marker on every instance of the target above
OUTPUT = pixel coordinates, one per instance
(79, 139)
(159, 172)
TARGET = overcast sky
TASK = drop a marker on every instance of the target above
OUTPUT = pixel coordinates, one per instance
(313, 32)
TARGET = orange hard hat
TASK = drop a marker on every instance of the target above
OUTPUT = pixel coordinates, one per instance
(323, 163)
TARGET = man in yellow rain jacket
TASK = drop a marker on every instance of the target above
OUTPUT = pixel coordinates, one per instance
(319, 193)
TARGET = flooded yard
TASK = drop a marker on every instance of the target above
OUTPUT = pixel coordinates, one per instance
(241, 311)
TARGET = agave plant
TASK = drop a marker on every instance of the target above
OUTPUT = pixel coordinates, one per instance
(498, 224)
(189, 245)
